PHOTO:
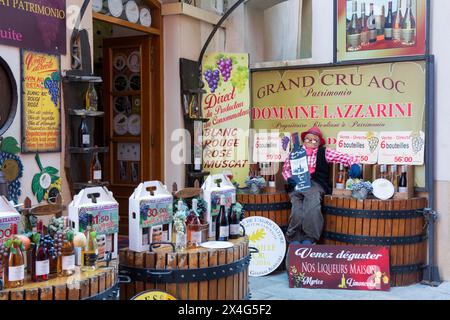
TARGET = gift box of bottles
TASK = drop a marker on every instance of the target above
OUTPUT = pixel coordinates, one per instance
(8, 217)
(213, 187)
(99, 203)
(150, 216)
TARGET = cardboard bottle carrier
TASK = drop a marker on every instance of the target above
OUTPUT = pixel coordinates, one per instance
(8, 217)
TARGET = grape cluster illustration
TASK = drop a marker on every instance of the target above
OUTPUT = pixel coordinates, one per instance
(226, 69)
(52, 85)
(240, 78)
(213, 79)
(285, 142)
(225, 66)
(373, 141)
(417, 143)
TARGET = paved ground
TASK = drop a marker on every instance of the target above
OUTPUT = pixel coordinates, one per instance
(276, 287)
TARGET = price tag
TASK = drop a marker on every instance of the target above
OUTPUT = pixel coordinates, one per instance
(271, 147)
(156, 212)
(402, 148)
(105, 219)
(362, 145)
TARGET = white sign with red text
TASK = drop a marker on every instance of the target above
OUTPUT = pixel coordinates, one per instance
(402, 148)
(362, 145)
(270, 147)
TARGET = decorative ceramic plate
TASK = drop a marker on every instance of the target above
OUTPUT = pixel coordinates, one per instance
(135, 82)
(120, 83)
(115, 8)
(134, 124)
(120, 61)
(383, 189)
(145, 18)
(122, 105)
(217, 245)
(134, 61)
(121, 124)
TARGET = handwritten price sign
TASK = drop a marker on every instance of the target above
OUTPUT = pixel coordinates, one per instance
(402, 148)
(156, 212)
(105, 219)
(362, 145)
(271, 147)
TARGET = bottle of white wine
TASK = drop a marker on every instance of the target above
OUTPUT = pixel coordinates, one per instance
(372, 25)
(91, 98)
(388, 23)
(364, 26)
(397, 24)
(354, 30)
(409, 26)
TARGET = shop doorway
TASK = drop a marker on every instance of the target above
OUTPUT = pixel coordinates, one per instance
(129, 59)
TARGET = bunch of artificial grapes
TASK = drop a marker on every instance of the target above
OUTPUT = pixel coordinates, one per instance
(59, 242)
(49, 243)
(3, 253)
(240, 78)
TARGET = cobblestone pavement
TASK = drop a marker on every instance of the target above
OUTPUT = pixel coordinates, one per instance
(276, 287)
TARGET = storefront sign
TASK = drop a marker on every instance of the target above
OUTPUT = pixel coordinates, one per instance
(362, 145)
(270, 147)
(339, 267)
(156, 212)
(362, 98)
(268, 238)
(406, 37)
(105, 219)
(153, 295)
(227, 105)
(34, 24)
(41, 102)
(403, 148)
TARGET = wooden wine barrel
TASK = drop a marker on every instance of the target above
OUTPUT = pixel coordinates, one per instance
(397, 224)
(275, 206)
(101, 284)
(195, 274)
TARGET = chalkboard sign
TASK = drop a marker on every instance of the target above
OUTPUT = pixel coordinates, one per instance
(8, 94)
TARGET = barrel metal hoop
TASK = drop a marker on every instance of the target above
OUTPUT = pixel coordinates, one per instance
(108, 294)
(276, 206)
(406, 269)
(377, 241)
(373, 214)
(185, 275)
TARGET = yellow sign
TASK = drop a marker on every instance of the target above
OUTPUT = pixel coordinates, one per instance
(41, 102)
(153, 295)
(227, 105)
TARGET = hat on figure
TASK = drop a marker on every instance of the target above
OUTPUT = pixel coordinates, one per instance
(315, 131)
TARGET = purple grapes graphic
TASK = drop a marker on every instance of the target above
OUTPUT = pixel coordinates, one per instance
(285, 142)
(212, 78)
(52, 85)
(225, 68)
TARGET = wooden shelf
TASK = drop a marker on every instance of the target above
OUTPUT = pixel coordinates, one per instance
(126, 139)
(85, 113)
(83, 185)
(126, 93)
(88, 150)
(71, 78)
(126, 24)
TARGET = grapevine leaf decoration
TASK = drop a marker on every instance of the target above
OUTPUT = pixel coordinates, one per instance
(9, 145)
(43, 180)
(258, 235)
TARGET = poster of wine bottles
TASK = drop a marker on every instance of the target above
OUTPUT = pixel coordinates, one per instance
(378, 29)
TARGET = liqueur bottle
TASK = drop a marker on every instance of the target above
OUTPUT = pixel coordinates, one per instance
(91, 99)
(393, 176)
(409, 26)
(383, 171)
(83, 134)
(372, 25)
(403, 182)
(66, 261)
(89, 253)
(364, 26)
(41, 257)
(234, 220)
(14, 267)
(193, 224)
(354, 30)
(397, 23)
(96, 169)
(340, 182)
(222, 225)
(388, 23)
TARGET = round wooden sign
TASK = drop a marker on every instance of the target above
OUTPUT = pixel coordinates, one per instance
(8, 94)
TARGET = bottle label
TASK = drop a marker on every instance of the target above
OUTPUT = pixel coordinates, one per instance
(42, 268)
(224, 232)
(397, 34)
(90, 259)
(272, 184)
(402, 189)
(388, 33)
(196, 237)
(340, 186)
(234, 229)
(86, 139)
(16, 273)
(97, 174)
(408, 35)
(68, 262)
(354, 40)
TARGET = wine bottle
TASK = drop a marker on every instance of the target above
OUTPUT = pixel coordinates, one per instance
(234, 220)
(393, 177)
(89, 255)
(403, 183)
(91, 99)
(397, 24)
(364, 26)
(41, 257)
(193, 224)
(83, 134)
(409, 26)
(96, 169)
(383, 171)
(222, 225)
(388, 23)
(354, 30)
(380, 21)
(372, 25)
(340, 182)
(66, 261)
(14, 268)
